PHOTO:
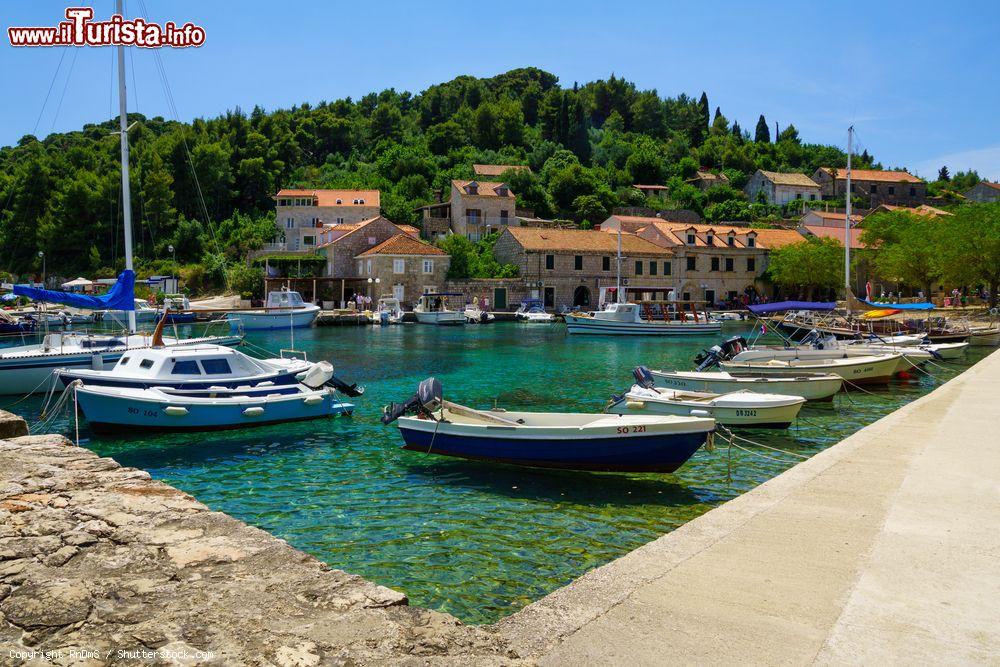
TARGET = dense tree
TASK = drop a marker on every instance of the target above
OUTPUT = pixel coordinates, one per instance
(808, 266)
(196, 184)
(903, 252)
(943, 174)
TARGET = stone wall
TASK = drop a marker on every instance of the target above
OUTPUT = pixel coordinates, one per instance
(341, 253)
(98, 560)
(413, 281)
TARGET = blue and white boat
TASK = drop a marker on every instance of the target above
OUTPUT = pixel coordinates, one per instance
(578, 441)
(191, 367)
(283, 309)
(122, 409)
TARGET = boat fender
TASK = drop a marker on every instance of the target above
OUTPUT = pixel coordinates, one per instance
(97, 362)
(255, 411)
(635, 405)
(175, 410)
(700, 413)
(313, 400)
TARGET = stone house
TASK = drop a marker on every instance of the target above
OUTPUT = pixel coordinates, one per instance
(403, 267)
(984, 192)
(819, 218)
(659, 191)
(780, 188)
(873, 186)
(301, 214)
(575, 267)
(475, 209)
(342, 243)
(712, 262)
(704, 179)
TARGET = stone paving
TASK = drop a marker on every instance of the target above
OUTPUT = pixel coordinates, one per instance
(100, 564)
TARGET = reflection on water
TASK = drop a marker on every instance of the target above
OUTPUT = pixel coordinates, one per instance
(474, 539)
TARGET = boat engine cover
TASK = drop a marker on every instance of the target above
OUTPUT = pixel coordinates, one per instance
(643, 377)
(318, 375)
(429, 394)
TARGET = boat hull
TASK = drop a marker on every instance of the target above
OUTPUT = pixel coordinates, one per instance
(259, 320)
(738, 411)
(988, 337)
(819, 389)
(576, 324)
(117, 412)
(862, 372)
(447, 318)
(278, 379)
(653, 451)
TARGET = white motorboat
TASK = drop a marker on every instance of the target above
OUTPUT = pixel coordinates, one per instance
(118, 409)
(432, 308)
(812, 387)
(577, 441)
(143, 313)
(739, 408)
(726, 316)
(532, 311)
(984, 336)
(476, 315)
(388, 311)
(191, 367)
(647, 318)
(29, 368)
(284, 309)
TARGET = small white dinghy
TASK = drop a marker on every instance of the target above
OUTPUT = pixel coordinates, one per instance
(476, 315)
(810, 386)
(739, 408)
(121, 409)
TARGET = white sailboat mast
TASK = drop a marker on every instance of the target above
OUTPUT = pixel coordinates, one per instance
(847, 221)
(126, 191)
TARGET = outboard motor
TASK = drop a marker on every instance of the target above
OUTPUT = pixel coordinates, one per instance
(425, 402)
(643, 377)
(321, 374)
(724, 351)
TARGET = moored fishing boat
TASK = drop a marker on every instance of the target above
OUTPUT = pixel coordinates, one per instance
(812, 387)
(532, 311)
(578, 441)
(432, 308)
(476, 315)
(283, 309)
(738, 408)
(856, 370)
(646, 319)
(388, 311)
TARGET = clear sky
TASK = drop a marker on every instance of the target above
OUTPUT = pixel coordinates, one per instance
(919, 80)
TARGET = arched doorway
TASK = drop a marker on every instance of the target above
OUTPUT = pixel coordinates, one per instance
(581, 296)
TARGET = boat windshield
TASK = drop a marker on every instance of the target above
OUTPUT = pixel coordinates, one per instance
(284, 299)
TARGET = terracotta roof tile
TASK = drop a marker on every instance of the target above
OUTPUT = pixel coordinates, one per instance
(872, 175)
(497, 169)
(777, 238)
(403, 244)
(585, 241)
(836, 233)
(789, 178)
(331, 197)
(486, 188)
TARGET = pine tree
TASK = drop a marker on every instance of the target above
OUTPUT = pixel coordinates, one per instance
(763, 133)
(943, 174)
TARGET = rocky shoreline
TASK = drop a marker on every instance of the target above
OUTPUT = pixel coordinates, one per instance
(100, 564)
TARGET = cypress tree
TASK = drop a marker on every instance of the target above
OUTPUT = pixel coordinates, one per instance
(763, 133)
(704, 111)
(718, 112)
(943, 174)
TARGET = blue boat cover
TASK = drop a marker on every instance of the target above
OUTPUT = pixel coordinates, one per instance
(121, 296)
(926, 305)
(781, 306)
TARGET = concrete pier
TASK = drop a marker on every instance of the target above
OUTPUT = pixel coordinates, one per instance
(883, 548)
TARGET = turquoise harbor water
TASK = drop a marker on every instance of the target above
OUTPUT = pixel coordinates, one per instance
(476, 540)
